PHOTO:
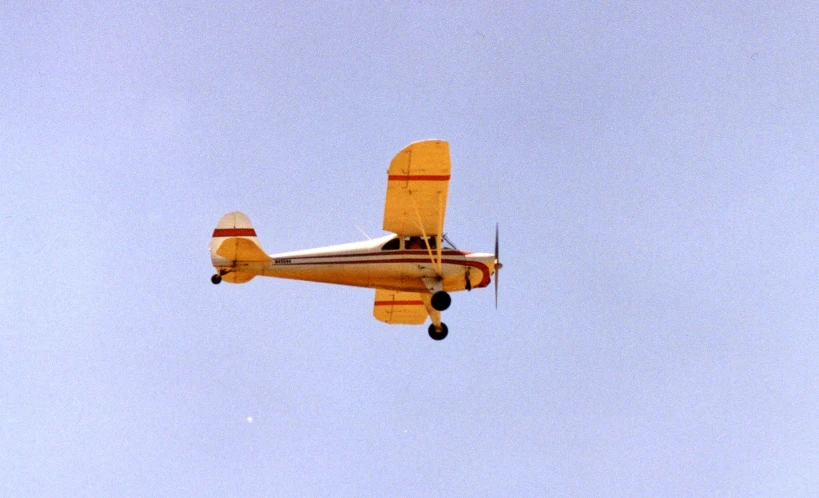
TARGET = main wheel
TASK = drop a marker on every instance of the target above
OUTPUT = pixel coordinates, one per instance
(441, 300)
(216, 279)
(435, 334)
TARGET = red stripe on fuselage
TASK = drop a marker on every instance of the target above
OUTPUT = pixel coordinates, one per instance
(474, 264)
(234, 232)
(418, 178)
(417, 252)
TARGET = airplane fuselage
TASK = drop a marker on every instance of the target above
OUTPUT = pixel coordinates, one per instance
(368, 264)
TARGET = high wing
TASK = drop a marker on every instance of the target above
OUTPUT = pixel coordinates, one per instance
(399, 307)
(417, 188)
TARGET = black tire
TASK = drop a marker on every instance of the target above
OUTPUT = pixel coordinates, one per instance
(441, 300)
(216, 279)
(438, 336)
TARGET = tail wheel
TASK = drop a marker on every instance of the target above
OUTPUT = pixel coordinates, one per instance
(436, 334)
(216, 279)
(441, 300)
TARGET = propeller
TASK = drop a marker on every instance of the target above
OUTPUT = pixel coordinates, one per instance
(498, 265)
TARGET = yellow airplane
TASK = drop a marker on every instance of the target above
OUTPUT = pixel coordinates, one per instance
(410, 269)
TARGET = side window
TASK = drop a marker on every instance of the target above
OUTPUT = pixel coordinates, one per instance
(392, 245)
(412, 243)
(419, 243)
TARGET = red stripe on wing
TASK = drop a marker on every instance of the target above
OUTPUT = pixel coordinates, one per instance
(419, 178)
(399, 303)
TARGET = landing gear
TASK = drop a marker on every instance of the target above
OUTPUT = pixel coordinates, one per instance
(438, 335)
(441, 301)
(216, 279)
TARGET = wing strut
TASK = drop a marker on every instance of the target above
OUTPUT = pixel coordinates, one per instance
(436, 264)
(438, 241)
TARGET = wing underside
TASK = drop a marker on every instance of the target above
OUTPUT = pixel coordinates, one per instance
(417, 188)
(399, 307)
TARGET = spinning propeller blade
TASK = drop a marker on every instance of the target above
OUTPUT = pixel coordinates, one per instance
(498, 265)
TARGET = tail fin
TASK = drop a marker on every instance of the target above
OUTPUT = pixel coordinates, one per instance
(234, 242)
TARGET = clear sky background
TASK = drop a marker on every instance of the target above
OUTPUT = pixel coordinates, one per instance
(654, 169)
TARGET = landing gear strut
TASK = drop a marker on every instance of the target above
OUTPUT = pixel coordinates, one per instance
(438, 335)
(441, 300)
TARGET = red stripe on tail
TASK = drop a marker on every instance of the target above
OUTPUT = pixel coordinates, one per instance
(234, 232)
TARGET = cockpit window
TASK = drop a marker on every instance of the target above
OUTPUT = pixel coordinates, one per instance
(411, 243)
(392, 245)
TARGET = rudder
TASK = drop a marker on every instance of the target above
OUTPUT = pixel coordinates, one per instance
(234, 242)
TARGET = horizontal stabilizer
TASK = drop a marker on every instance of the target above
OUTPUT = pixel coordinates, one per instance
(238, 277)
(240, 249)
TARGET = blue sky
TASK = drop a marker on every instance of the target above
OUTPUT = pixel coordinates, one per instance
(653, 169)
